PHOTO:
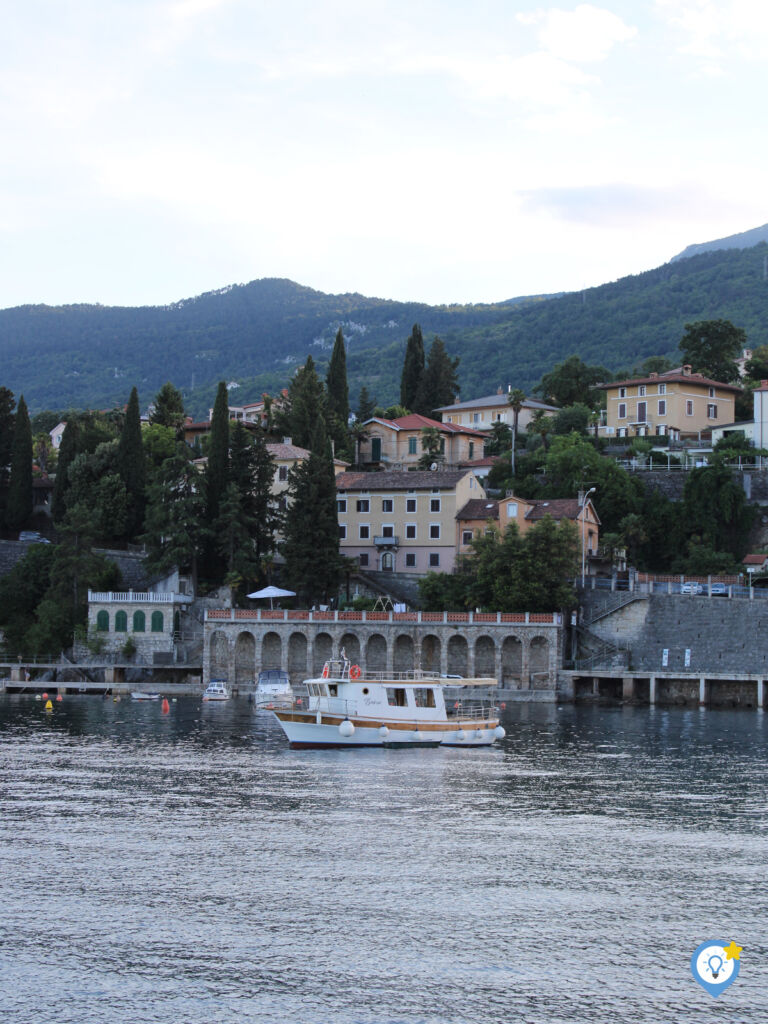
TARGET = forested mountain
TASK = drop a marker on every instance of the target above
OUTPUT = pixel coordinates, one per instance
(254, 334)
(743, 240)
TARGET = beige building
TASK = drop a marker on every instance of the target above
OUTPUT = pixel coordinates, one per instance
(482, 413)
(397, 444)
(403, 521)
(526, 512)
(675, 403)
(285, 456)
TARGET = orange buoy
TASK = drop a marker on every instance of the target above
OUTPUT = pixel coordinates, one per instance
(45, 696)
(59, 698)
(503, 706)
(166, 707)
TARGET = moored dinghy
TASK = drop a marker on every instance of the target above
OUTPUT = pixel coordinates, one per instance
(346, 709)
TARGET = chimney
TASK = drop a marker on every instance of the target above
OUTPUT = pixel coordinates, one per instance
(653, 376)
(500, 390)
(687, 370)
(287, 440)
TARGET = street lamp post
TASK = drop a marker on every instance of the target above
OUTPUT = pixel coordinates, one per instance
(583, 530)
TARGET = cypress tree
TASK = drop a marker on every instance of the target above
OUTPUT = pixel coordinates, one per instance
(7, 420)
(337, 396)
(306, 405)
(413, 369)
(311, 546)
(132, 467)
(439, 382)
(252, 471)
(365, 405)
(19, 507)
(175, 520)
(217, 467)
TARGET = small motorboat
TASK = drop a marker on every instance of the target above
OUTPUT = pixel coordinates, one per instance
(141, 695)
(216, 690)
(273, 688)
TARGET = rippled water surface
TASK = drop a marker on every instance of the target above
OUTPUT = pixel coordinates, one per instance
(191, 868)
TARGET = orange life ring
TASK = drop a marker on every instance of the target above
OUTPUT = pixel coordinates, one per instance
(325, 671)
(355, 672)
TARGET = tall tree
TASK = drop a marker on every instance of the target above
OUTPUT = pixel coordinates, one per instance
(305, 405)
(175, 520)
(311, 546)
(337, 397)
(252, 471)
(712, 347)
(7, 420)
(413, 368)
(19, 507)
(365, 405)
(217, 466)
(440, 380)
(168, 408)
(132, 467)
(573, 381)
(516, 397)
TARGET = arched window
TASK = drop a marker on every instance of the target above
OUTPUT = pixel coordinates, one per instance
(157, 622)
(121, 622)
(139, 622)
(102, 621)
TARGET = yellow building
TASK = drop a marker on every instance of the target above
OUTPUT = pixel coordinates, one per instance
(675, 403)
(403, 521)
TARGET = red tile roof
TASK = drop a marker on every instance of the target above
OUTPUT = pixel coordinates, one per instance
(673, 377)
(415, 421)
(479, 508)
(755, 559)
(400, 480)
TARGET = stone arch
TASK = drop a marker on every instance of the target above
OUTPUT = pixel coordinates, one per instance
(458, 656)
(403, 653)
(512, 662)
(297, 655)
(387, 562)
(219, 655)
(323, 649)
(539, 663)
(376, 653)
(271, 651)
(485, 656)
(351, 645)
(430, 654)
(245, 659)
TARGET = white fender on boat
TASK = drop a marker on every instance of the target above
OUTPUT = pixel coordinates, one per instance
(461, 735)
(418, 736)
(479, 733)
(346, 728)
(499, 732)
(319, 718)
(383, 731)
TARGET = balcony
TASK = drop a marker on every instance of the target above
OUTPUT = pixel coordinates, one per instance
(386, 542)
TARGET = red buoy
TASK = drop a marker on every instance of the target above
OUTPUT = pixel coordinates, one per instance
(45, 696)
(166, 707)
(59, 699)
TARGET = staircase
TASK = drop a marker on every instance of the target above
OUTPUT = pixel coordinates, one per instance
(595, 652)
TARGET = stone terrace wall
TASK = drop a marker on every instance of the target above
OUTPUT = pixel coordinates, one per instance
(722, 635)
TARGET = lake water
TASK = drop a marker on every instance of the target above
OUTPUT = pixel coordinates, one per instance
(191, 868)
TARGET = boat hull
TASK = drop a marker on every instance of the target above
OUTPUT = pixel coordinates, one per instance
(309, 730)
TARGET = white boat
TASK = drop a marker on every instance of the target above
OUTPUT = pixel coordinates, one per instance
(216, 690)
(140, 695)
(344, 708)
(273, 688)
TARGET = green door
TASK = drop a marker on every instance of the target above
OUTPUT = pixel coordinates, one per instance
(376, 449)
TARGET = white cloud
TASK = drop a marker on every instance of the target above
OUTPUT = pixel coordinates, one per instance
(585, 34)
(725, 29)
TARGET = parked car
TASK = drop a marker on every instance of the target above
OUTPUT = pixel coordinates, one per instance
(719, 590)
(691, 588)
(33, 537)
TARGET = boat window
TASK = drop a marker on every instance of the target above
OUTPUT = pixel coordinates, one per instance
(333, 689)
(424, 697)
(396, 696)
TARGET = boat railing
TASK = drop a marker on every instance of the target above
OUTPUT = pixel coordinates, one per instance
(474, 710)
(326, 705)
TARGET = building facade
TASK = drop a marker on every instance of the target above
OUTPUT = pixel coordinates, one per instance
(398, 444)
(403, 522)
(482, 413)
(672, 404)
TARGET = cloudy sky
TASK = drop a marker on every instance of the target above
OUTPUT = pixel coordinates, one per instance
(433, 150)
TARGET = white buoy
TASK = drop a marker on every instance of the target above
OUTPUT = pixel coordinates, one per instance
(499, 732)
(383, 731)
(461, 735)
(418, 736)
(346, 728)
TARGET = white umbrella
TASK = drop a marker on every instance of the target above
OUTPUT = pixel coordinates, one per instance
(271, 593)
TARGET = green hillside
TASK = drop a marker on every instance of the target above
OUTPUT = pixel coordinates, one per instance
(254, 334)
